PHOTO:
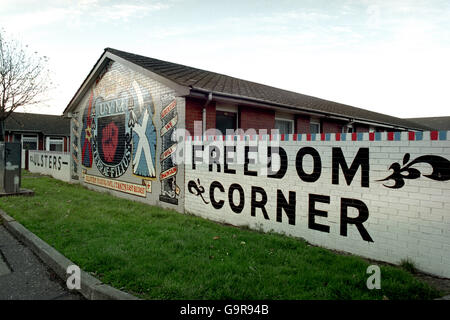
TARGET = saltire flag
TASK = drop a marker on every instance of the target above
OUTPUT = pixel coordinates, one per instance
(144, 135)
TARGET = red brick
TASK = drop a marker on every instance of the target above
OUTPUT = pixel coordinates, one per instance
(256, 118)
(194, 112)
(361, 128)
(330, 126)
(302, 124)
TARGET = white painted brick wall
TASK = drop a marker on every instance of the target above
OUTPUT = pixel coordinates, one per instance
(118, 80)
(409, 222)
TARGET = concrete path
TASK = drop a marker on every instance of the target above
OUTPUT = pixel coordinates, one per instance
(24, 277)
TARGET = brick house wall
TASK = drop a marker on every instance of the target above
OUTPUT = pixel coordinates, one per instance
(259, 118)
(361, 128)
(302, 124)
(66, 144)
(194, 112)
(330, 126)
(211, 115)
(256, 118)
(41, 142)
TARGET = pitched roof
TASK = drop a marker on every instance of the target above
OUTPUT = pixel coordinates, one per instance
(34, 122)
(202, 81)
(435, 123)
(219, 83)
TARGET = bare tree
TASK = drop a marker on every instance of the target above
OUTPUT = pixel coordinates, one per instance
(24, 77)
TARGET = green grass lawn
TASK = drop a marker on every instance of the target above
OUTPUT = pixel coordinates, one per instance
(161, 254)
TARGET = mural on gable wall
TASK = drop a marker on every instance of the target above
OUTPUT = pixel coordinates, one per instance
(112, 135)
(170, 191)
(144, 134)
(118, 137)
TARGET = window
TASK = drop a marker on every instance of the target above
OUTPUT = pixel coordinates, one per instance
(29, 142)
(284, 126)
(55, 144)
(226, 121)
(314, 127)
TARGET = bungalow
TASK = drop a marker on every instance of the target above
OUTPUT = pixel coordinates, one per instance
(38, 131)
(224, 102)
(124, 116)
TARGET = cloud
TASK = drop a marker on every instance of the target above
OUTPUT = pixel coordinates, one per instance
(85, 12)
(123, 11)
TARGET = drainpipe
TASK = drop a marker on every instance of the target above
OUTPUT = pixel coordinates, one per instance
(204, 112)
(350, 123)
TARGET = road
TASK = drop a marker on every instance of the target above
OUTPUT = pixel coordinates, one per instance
(24, 277)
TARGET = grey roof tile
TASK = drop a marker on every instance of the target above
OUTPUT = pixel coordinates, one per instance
(435, 123)
(219, 83)
(34, 122)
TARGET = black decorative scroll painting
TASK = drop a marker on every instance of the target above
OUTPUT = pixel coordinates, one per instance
(440, 165)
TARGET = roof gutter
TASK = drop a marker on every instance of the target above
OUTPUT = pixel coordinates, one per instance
(237, 99)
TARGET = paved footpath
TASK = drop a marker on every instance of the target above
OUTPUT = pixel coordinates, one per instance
(24, 277)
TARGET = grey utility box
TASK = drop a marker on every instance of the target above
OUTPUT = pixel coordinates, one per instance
(10, 166)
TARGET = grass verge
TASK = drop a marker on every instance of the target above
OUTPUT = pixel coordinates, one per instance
(161, 254)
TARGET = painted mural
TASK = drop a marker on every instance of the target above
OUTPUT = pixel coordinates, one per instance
(144, 134)
(75, 150)
(170, 191)
(384, 196)
(440, 170)
(118, 136)
(111, 147)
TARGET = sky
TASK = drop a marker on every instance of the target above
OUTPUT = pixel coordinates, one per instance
(386, 56)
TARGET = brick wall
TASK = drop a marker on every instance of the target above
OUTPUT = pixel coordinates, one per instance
(337, 191)
(211, 115)
(66, 144)
(331, 126)
(259, 118)
(302, 124)
(41, 142)
(256, 118)
(55, 164)
(194, 112)
(361, 128)
(194, 109)
(126, 146)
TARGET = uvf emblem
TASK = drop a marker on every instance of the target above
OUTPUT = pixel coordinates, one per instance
(112, 135)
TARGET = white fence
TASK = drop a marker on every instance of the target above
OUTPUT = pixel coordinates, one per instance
(55, 164)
